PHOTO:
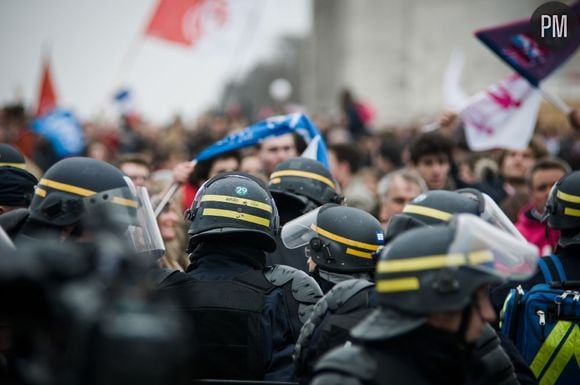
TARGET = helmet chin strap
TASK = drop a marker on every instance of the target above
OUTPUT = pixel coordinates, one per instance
(466, 317)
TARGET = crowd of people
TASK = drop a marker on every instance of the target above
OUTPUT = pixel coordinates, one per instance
(392, 266)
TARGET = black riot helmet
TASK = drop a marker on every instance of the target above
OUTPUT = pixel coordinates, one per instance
(301, 184)
(234, 205)
(562, 211)
(438, 207)
(437, 269)
(10, 156)
(338, 238)
(72, 186)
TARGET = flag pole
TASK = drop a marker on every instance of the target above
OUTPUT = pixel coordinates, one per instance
(556, 101)
(168, 194)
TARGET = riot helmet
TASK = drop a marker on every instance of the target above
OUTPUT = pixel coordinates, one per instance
(301, 184)
(339, 239)
(562, 211)
(59, 198)
(437, 269)
(438, 207)
(234, 205)
(11, 157)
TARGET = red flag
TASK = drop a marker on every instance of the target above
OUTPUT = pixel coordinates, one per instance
(47, 96)
(185, 21)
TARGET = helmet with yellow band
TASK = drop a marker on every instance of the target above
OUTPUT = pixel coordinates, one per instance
(75, 185)
(234, 204)
(562, 211)
(434, 269)
(302, 184)
(338, 238)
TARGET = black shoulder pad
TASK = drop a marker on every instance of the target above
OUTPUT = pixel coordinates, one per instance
(352, 361)
(344, 291)
(305, 290)
(13, 220)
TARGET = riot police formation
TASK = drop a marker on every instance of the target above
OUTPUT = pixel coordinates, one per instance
(342, 242)
(79, 295)
(298, 186)
(432, 285)
(245, 316)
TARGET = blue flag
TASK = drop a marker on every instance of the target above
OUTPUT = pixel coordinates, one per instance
(62, 130)
(275, 126)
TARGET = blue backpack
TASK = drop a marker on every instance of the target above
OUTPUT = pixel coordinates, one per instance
(544, 324)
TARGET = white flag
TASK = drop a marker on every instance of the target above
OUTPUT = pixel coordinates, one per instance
(454, 98)
(502, 116)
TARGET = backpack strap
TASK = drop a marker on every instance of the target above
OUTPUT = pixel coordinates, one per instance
(561, 273)
(548, 269)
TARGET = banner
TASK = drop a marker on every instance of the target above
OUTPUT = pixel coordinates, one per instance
(62, 130)
(502, 116)
(515, 45)
(275, 126)
(186, 21)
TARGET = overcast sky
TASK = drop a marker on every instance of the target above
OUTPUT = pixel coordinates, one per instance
(88, 40)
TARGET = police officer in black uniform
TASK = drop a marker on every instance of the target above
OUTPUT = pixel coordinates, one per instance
(245, 317)
(65, 193)
(298, 186)
(432, 284)
(342, 242)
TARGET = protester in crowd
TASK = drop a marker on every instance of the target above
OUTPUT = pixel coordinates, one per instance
(513, 166)
(431, 156)
(250, 163)
(246, 316)
(275, 150)
(396, 190)
(137, 167)
(540, 178)
(425, 329)
(357, 184)
(388, 156)
(352, 116)
(193, 176)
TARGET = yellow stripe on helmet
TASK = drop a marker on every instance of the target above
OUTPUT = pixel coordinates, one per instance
(434, 262)
(357, 253)
(40, 192)
(343, 240)
(66, 187)
(427, 212)
(398, 285)
(303, 174)
(568, 197)
(237, 201)
(237, 216)
(17, 165)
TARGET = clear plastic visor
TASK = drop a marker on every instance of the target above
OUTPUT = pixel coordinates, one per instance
(483, 246)
(299, 231)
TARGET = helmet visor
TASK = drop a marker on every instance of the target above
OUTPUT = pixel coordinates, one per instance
(145, 235)
(299, 231)
(492, 213)
(480, 245)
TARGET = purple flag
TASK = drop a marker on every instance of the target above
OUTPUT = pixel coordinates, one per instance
(514, 44)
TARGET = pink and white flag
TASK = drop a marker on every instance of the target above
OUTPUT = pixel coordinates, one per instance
(502, 116)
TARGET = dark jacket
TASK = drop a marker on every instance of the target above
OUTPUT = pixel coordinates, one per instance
(244, 320)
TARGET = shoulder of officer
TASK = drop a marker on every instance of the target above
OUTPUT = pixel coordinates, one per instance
(304, 287)
(348, 362)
